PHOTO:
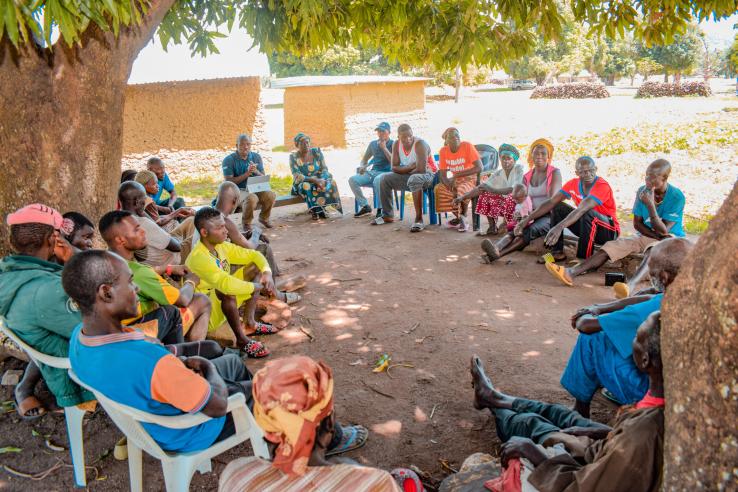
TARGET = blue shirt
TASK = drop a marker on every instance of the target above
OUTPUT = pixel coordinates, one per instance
(164, 184)
(671, 208)
(234, 166)
(379, 161)
(146, 376)
(621, 326)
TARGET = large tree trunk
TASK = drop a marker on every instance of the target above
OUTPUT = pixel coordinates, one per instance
(700, 354)
(61, 120)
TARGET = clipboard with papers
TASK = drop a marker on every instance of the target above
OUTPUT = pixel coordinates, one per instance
(256, 184)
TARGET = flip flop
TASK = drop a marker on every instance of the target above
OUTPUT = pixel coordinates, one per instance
(407, 479)
(30, 403)
(120, 452)
(264, 329)
(354, 437)
(255, 350)
(558, 272)
(621, 290)
(463, 227)
(417, 227)
(292, 297)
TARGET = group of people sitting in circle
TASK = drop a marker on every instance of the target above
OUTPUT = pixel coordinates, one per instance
(134, 319)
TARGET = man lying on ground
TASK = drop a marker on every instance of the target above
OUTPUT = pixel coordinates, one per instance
(174, 202)
(34, 304)
(657, 215)
(625, 458)
(163, 247)
(412, 169)
(127, 367)
(602, 355)
(211, 260)
(124, 236)
(83, 232)
(293, 405)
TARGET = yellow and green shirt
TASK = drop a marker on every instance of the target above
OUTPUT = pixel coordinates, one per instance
(215, 272)
(153, 291)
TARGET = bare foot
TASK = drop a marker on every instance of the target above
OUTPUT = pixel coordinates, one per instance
(485, 395)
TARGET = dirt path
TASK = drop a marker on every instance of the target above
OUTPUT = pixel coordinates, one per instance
(423, 298)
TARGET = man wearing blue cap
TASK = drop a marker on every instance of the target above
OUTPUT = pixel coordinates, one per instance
(378, 156)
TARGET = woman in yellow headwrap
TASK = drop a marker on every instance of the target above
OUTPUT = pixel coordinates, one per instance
(293, 405)
(541, 181)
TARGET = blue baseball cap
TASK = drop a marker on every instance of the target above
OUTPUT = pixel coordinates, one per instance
(383, 126)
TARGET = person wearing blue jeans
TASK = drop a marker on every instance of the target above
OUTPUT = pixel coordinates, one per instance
(378, 156)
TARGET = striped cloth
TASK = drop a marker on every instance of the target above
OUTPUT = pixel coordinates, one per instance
(256, 474)
(444, 196)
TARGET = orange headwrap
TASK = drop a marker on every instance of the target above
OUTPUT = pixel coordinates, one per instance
(546, 143)
(291, 397)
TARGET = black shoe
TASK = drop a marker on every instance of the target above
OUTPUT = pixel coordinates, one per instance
(322, 214)
(366, 209)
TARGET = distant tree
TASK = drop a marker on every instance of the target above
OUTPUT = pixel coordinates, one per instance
(731, 58)
(680, 57)
(619, 60)
(647, 66)
(334, 61)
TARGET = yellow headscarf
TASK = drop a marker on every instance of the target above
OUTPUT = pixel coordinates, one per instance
(291, 397)
(546, 143)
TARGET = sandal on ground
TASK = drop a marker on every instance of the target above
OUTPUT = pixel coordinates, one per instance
(264, 329)
(417, 227)
(255, 350)
(463, 227)
(453, 222)
(621, 290)
(354, 437)
(558, 272)
(407, 479)
(492, 252)
(557, 257)
(28, 405)
(120, 452)
(292, 297)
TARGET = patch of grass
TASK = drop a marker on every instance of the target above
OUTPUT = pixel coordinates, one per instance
(692, 225)
(653, 138)
(280, 148)
(201, 191)
(732, 109)
(274, 106)
(495, 89)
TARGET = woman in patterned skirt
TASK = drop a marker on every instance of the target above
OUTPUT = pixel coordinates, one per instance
(311, 179)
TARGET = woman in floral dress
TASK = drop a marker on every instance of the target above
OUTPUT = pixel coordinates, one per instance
(311, 179)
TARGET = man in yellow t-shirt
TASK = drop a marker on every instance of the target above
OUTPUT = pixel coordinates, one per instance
(211, 260)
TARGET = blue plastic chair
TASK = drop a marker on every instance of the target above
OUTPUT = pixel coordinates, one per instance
(429, 202)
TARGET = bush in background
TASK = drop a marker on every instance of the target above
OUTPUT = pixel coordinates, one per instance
(663, 89)
(574, 90)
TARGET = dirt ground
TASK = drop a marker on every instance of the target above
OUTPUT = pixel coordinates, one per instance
(424, 299)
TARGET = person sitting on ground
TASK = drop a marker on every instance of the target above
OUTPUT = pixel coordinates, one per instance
(163, 247)
(83, 233)
(378, 156)
(542, 181)
(462, 160)
(521, 213)
(35, 306)
(495, 194)
(293, 405)
(593, 220)
(412, 169)
(167, 221)
(657, 214)
(238, 167)
(625, 458)
(128, 175)
(311, 178)
(174, 202)
(602, 354)
(124, 236)
(211, 260)
(130, 369)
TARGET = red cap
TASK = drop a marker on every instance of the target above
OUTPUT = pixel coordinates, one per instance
(38, 213)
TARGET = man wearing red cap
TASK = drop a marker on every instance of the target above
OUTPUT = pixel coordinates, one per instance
(34, 304)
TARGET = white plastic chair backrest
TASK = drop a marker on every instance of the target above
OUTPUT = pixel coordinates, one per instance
(128, 420)
(49, 360)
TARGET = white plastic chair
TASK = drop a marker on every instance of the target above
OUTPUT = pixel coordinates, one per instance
(178, 468)
(72, 415)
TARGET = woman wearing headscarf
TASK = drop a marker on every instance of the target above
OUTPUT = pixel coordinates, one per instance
(495, 194)
(462, 160)
(542, 180)
(293, 405)
(311, 179)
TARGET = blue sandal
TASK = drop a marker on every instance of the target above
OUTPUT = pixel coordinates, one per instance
(354, 437)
